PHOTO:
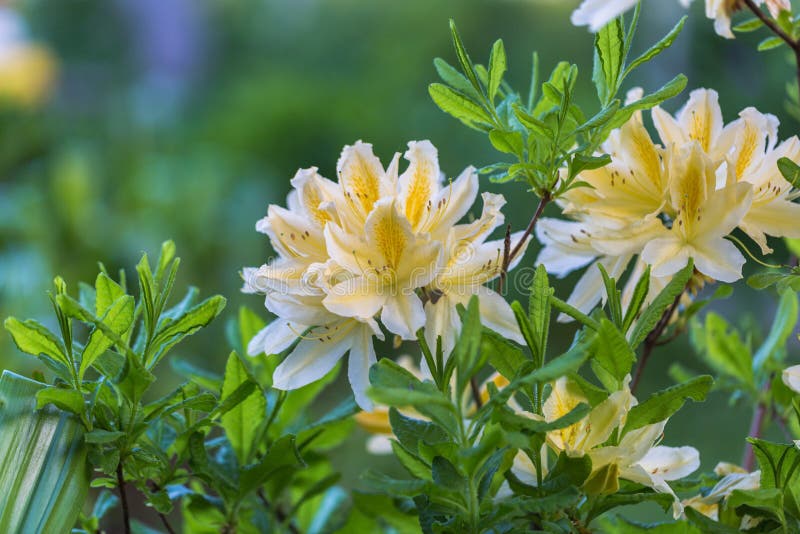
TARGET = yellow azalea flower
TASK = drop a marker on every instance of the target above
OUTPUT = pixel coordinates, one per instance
(702, 217)
(636, 457)
(27, 70)
(700, 120)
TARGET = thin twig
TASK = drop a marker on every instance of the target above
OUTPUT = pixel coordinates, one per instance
(476, 392)
(652, 338)
(166, 524)
(756, 427)
(531, 225)
(506, 259)
(777, 30)
(123, 497)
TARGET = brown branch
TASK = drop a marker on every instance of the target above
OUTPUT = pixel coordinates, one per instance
(651, 341)
(508, 257)
(123, 498)
(166, 524)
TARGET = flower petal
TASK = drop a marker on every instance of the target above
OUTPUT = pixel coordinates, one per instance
(309, 361)
(403, 314)
(362, 357)
(275, 338)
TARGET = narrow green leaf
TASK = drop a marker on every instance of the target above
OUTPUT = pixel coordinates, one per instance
(68, 400)
(609, 49)
(782, 327)
(539, 312)
(497, 68)
(44, 475)
(790, 170)
(657, 48)
(459, 106)
(769, 43)
(463, 57)
(107, 291)
(652, 314)
(614, 296)
(118, 317)
(242, 421)
(33, 338)
(455, 79)
(640, 293)
(749, 25)
(613, 352)
(663, 404)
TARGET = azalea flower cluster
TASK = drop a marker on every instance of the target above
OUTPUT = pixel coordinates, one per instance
(637, 456)
(667, 203)
(598, 13)
(376, 245)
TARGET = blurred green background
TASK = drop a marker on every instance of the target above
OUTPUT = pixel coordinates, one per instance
(142, 120)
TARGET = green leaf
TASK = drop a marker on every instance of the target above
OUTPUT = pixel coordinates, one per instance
(107, 291)
(670, 89)
(68, 400)
(539, 314)
(194, 319)
(99, 436)
(497, 67)
(750, 25)
(790, 171)
(410, 431)
(614, 296)
(637, 300)
(44, 475)
(508, 142)
(769, 43)
(460, 106)
(568, 362)
(657, 48)
(613, 352)
(283, 454)
(504, 356)
(463, 58)
(415, 466)
(242, 421)
(394, 386)
(393, 487)
(782, 327)
(118, 317)
(725, 352)
(766, 502)
(445, 474)
(652, 314)
(33, 338)
(663, 404)
(455, 79)
(609, 50)
(467, 352)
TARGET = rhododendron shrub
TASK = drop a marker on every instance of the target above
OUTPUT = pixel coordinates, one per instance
(495, 427)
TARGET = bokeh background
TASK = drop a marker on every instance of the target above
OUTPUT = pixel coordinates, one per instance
(127, 122)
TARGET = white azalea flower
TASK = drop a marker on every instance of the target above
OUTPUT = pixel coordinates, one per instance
(598, 13)
(368, 247)
(469, 263)
(388, 264)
